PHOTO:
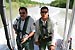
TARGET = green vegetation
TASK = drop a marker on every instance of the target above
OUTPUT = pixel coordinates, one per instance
(15, 4)
(19, 3)
(61, 3)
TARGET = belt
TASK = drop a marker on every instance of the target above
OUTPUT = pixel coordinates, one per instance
(47, 39)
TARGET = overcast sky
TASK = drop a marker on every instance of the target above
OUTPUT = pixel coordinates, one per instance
(44, 1)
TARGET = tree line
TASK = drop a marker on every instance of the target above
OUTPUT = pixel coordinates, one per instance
(23, 1)
(61, 3)
(56, 3)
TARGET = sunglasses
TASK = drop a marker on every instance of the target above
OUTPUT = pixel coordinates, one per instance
(44, 11)
(22, 13)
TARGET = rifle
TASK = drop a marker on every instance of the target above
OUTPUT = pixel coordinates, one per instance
(19, 38)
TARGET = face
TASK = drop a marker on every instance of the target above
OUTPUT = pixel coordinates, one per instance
(44, 13)
(23, 14)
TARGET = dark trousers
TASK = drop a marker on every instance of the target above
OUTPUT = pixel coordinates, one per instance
(28, 45)
(44, 43)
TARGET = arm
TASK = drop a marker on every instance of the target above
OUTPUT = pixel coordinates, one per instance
(30, 30)
(31, 34)
(26, 38)
(15, 26)
(36, 35)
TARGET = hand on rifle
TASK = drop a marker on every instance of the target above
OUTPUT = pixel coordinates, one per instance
(25, 39)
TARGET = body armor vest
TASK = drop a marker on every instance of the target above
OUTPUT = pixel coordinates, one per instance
(45, 31)
(23, 31)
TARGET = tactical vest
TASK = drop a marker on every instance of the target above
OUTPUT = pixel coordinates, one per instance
(23, 31)
(48, 29)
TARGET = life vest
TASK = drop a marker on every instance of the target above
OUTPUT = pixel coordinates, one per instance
(48, 29)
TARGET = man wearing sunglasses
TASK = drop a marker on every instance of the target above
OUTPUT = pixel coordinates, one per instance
(44, 30)
(24, 28)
